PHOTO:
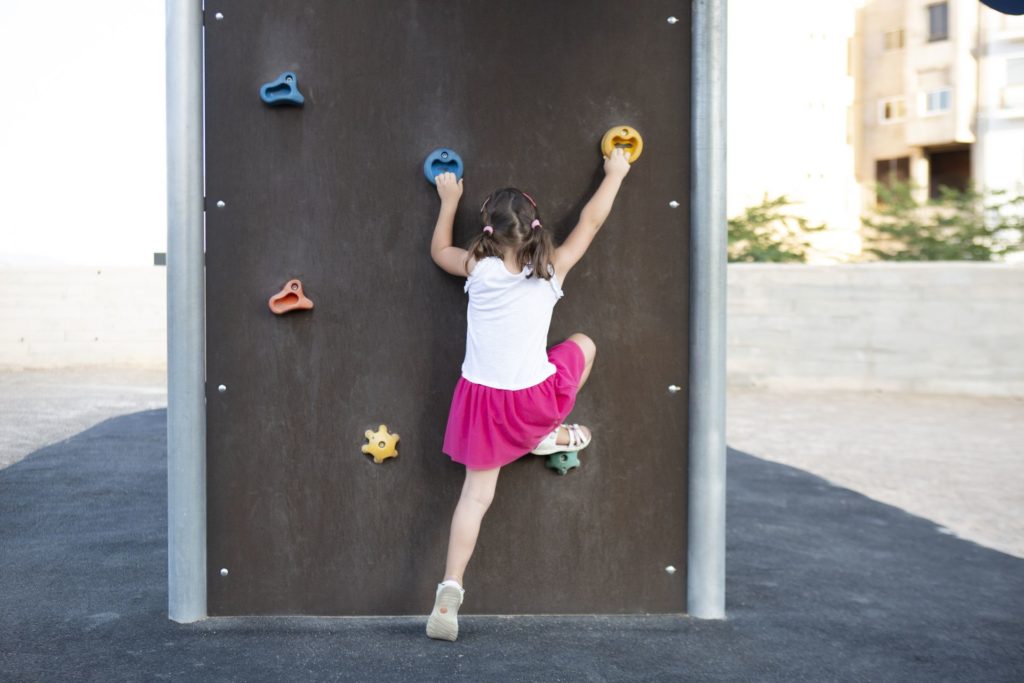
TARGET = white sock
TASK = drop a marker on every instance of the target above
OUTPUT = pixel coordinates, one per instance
(453, 582)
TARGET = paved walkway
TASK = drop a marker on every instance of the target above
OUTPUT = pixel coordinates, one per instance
(41, 407)
(957, 461)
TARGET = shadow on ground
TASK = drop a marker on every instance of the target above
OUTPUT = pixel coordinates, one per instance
(823, 584)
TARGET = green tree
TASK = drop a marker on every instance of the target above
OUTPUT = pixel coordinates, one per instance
(767, 233)
(959, 225)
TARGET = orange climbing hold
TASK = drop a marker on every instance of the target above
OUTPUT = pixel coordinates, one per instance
(290, 298)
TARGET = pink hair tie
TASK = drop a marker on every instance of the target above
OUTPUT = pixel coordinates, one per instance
(535, 224)
(488, 229)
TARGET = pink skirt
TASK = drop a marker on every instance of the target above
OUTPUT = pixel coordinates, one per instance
(490, 427)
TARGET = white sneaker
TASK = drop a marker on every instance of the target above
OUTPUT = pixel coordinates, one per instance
(443, 622)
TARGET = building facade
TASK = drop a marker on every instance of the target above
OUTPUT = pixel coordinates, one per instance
(939, 96)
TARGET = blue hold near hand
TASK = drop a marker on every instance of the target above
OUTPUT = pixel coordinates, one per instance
(283, 90)
(442, 160)
(564, 461)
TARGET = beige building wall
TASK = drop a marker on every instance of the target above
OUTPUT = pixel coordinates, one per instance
(789, 89)
(880, 78)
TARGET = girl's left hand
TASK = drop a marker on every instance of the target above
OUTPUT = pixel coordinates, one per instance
(448, 189)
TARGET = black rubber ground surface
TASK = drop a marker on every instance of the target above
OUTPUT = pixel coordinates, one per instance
(823, 584)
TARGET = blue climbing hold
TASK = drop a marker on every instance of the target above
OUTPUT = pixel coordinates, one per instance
(442, 160)
(283, 90)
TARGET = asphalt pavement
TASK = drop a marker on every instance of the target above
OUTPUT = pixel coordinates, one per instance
(823, 584)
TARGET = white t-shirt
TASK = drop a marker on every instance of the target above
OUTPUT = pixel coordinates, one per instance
(507, 326)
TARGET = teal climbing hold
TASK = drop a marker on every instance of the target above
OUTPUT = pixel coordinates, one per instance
(564, 461)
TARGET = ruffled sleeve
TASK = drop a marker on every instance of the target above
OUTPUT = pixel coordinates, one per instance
(555, 285)
(474, 275)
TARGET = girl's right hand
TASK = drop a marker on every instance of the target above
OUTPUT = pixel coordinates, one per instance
(617, 164)
(448, 188)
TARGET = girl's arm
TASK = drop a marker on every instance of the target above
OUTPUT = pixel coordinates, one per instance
(593, 215)
(450, 259)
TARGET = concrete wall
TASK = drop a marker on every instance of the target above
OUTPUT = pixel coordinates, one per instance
(919, 327)
(936, 328)
(54, 316)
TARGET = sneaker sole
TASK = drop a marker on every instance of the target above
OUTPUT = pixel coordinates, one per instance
(444, 625)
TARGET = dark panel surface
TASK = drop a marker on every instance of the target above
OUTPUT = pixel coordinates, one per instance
(333, 194)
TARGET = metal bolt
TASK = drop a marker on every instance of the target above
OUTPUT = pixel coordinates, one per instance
(674, 204)
(221, 204)
(219, 17)
(669, 569)
(224, 572)
(221, 388)
(672, 20)
(674, 388)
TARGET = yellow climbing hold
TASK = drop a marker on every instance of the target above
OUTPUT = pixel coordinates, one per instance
(625, 137)
(382, 445)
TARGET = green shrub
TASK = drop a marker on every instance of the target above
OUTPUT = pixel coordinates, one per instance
(960, 225)
(766, 233)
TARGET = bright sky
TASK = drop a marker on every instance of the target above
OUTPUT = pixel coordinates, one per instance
(82, 138)
(82, 133)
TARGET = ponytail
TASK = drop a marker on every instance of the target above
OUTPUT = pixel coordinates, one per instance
(511, 219)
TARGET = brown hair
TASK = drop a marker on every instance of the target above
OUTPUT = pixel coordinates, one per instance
(511, 213)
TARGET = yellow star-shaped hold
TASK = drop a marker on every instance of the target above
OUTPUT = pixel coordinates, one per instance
(382, 444)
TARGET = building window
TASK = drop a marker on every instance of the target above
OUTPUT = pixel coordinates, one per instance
(1013, 93)
(938, 21)
(937, 101)
(892, 110)
(1015, 71)
(894, 40)
(889, 172)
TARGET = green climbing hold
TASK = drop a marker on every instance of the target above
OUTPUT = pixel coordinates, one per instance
(564, 461)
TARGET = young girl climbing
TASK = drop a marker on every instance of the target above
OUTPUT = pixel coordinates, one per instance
(513, 393)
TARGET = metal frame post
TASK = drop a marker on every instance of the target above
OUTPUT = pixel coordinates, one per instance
(705, 594)
(186, 306)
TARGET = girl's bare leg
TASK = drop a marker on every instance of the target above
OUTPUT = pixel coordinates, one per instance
(589, 349)
(477, 494)
(478, 491)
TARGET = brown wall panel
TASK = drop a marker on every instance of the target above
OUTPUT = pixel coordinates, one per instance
(333, 194)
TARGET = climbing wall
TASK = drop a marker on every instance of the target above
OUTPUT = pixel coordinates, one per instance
(332, 194)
